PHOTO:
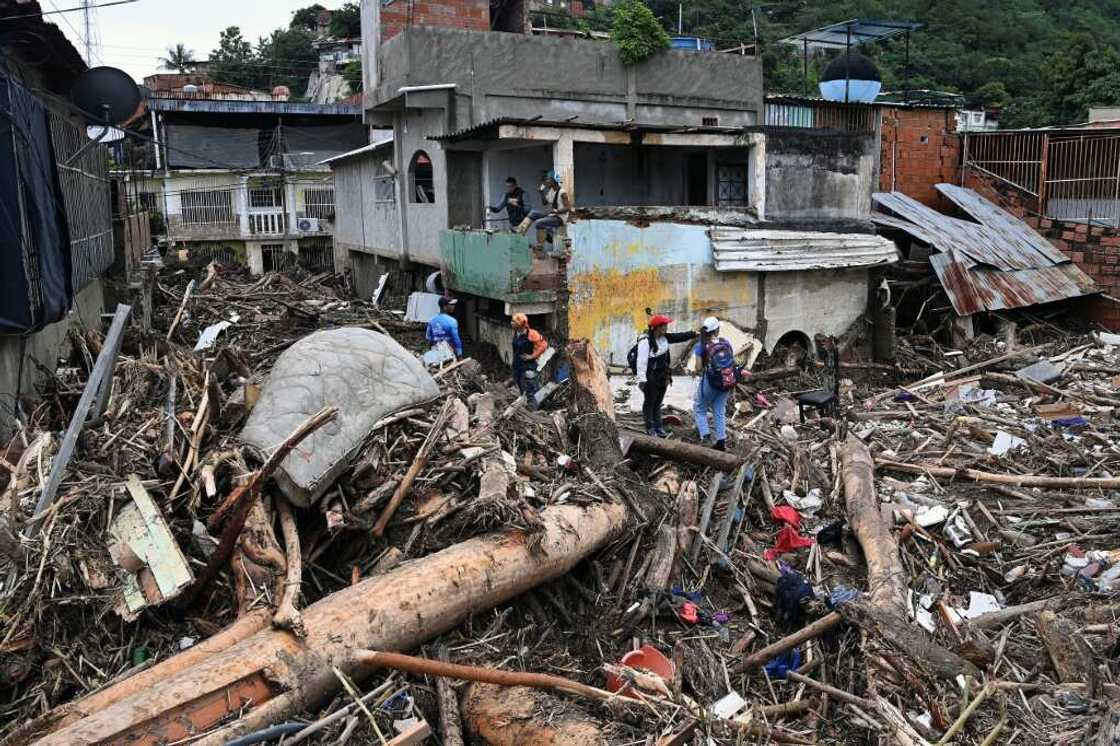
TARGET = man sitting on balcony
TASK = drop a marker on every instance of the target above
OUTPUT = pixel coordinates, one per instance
(514, 202)
(556, 206)
(443, 329)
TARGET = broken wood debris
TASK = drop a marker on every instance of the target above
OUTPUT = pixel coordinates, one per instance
(947, 592)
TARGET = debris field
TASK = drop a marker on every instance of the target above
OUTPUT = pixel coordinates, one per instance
(938, 563)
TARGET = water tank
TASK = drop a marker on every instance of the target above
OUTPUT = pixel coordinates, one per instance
(281, 93)
(851, 77)
(693, 43)
(190, 88)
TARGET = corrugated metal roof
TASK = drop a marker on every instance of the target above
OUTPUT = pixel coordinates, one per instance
(855, 32)
(484, 127)
(745, 250)
(984, 289)
(1019, 238)
(997, 265)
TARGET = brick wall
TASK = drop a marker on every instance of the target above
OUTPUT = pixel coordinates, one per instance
(1094, 249)
(465, 14)
(920, 148)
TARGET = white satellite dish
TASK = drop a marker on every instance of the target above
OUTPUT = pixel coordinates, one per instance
(104, 134)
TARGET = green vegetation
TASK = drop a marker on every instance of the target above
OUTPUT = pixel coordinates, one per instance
(352, 74)
(178, 58)
(346, 22)
(636, 32)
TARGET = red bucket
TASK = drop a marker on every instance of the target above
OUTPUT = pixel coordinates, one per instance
(645, 658)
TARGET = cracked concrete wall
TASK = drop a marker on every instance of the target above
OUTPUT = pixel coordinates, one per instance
(813, 175)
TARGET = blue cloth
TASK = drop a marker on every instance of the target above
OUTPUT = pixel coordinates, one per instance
(708, 398)
(444, 328)
(782, 664)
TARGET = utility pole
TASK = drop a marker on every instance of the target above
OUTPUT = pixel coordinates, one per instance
(88, 14)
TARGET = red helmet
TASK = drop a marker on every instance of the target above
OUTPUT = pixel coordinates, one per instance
(660, 320)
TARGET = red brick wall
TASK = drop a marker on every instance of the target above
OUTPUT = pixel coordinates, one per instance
(466, 14)
(913, 166)
(1094, 249)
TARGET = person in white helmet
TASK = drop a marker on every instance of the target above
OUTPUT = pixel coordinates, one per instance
(718, 376)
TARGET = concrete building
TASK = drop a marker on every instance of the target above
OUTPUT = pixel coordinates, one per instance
(56, 242)
(242, 180)
(327, 84)
(687, 203)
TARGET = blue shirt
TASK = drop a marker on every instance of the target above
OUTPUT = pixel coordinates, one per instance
(444, 328)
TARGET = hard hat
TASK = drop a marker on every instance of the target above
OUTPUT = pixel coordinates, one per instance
(711, 324)
(660, 320)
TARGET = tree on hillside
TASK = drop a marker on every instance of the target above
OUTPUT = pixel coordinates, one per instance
(234, 62)
(178, 58)
(346, 22)
(307, 18)
(636, 32)
(352, 74)
(287, 57)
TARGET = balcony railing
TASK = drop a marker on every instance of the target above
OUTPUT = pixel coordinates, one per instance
(271, 223)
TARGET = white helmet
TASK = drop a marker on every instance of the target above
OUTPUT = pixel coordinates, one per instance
(711, 324)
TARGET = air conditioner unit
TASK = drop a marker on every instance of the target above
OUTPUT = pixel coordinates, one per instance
(307, 225)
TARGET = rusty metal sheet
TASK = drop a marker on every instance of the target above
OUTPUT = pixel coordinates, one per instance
(950, 234)
(1016, 237)
(979, 288)
(739, 250)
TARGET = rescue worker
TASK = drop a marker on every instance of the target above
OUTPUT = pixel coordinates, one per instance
(528, 346)
(718, 376)
(653, 369)
(444, 327)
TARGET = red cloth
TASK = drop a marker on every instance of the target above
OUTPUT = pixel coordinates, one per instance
(786, 514)
(689, 613)
(788, 541)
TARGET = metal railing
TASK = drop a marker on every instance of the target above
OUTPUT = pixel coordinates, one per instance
(84, 178)
(1075, 176)
(814, 114)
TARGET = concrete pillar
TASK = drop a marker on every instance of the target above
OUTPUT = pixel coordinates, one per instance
(564, 163)
(242, 205)
(255, 258)
(290, 203)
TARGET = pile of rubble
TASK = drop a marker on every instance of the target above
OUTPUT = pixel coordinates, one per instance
(226, 529)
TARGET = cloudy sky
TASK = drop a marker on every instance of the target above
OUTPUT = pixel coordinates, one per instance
(132, 37)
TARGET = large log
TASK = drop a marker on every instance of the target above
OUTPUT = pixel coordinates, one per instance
(511, 716)
(884, 611)
(281, 675)
(680, 451)
(1069, 652)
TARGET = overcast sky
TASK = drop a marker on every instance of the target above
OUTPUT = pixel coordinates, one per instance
(134, 36)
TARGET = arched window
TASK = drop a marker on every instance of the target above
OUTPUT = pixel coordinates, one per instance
(421, 180)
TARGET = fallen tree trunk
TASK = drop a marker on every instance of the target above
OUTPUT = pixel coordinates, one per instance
(884, 612)
(511, 716)
(1071, 655)
(282, 675)
(1017, 480)
(680, 451)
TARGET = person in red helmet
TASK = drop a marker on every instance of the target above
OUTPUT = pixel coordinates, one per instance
(653, 364)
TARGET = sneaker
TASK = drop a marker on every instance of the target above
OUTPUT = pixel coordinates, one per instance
(721, 445)
(705, 440)
(652, 432)
(661, 432)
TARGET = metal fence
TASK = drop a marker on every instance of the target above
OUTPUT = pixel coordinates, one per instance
(1075, 176)
(795, 112)
(84, 178)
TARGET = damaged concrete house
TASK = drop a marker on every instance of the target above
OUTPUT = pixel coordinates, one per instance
(238, 177)
(685, 201)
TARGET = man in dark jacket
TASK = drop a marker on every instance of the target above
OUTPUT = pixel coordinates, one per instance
(513, 202)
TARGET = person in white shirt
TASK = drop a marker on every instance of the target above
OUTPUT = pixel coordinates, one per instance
(653, 369)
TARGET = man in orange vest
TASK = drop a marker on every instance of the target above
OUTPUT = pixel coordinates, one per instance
(528, 346)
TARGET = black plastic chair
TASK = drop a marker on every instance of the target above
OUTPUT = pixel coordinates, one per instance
(825, 400)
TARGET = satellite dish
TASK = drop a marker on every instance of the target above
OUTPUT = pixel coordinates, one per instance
(101, 133)
(106, 95)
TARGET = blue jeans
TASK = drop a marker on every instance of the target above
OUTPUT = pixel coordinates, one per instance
(709, 398)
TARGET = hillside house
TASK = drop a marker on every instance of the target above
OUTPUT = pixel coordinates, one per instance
(240, 179)
(687, 203)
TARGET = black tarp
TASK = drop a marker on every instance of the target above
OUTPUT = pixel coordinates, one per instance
(304, 147)
(35, 282)
(193, 146)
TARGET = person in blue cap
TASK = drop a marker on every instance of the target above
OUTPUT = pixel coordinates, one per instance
(444, 327)
(556, 204)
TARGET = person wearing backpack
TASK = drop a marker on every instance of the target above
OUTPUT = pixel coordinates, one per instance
(651, 363)
(718, 376)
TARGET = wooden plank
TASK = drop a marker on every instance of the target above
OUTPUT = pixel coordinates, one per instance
(729, 519)
(414, 736)
(102, 369)
(705, 517)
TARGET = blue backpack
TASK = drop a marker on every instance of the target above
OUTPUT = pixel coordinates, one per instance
(720, 367)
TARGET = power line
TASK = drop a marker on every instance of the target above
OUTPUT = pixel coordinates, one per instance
(66, 10)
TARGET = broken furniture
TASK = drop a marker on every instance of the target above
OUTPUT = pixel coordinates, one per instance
(825, 400)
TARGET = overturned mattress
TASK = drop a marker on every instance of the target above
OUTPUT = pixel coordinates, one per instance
(365, 374)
